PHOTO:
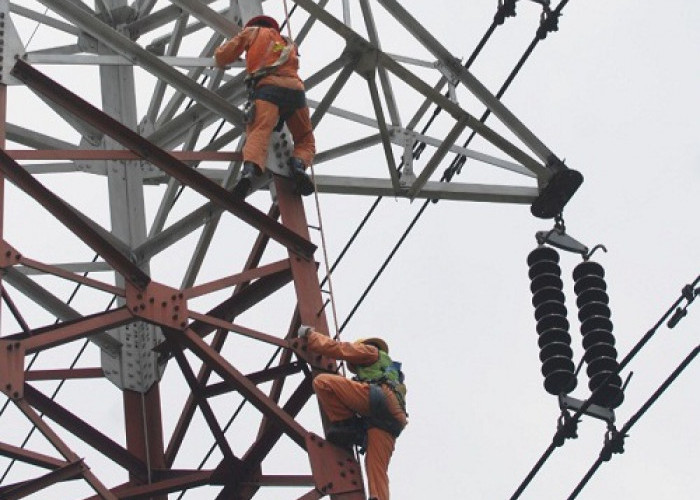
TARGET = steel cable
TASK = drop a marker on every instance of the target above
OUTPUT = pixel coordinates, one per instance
(627, 359)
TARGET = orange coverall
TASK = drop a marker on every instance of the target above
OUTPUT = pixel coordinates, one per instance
(342, 398)
(262, 46)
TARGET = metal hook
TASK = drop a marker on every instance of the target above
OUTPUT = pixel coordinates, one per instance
(588, 255)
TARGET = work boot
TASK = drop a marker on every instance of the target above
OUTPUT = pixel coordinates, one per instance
(304, 184)
(245, 183)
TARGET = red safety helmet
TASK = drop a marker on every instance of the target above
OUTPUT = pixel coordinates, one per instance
(266, 21)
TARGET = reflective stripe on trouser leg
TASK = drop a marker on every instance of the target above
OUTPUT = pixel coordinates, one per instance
(258, 133)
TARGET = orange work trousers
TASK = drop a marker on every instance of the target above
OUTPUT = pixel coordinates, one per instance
(259, 131)
(342, 398)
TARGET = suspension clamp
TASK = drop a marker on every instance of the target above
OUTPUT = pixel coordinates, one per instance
(567, 428)
(614, 443)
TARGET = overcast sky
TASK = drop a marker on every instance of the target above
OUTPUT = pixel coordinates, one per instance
(614, 92)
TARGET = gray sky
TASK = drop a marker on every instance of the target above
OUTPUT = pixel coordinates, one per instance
(614, 93)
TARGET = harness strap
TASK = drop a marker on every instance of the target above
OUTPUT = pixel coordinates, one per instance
(380, 416)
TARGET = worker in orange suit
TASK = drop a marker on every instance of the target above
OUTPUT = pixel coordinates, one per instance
(374, 400)
(277, 96)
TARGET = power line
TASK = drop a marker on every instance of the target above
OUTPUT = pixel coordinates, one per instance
(460, 159)
(557, 438)
(607, 450)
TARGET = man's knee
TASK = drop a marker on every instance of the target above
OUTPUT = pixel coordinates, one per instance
(323, 382)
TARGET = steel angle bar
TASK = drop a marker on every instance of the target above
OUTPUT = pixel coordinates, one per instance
(241, 330)
(163, 160)
(383, 75)
(249, 390)
(175, 232)
(153, 21)
(71, 267)
(84, 431)
(348, 115)
(206, 410)
(30, 457)
(182, 480)
(178, 98)
(426, 103)
(209, 17)
(62, 448)
(50, 53)
(475, 86)
(65, 374)
(35, 140)
(306, 28)
(25, 488)
(116, 154)
(217, 343)
(44, 58)
(47, 337)
(346, 149)
(243, 300)
(90, 134)
(236, 279)
(272, 433)
(279, 372)
(171, 129)
(60, 168)
(456, 111)
(384, 132)
(437, 157)
(83, 280)
(143, 58)
(432, 190)
(43, 19)
(333, 92)
(74, 221)
(475, 155)
(327, 71)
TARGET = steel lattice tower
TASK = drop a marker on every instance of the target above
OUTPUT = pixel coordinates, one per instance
(123, 139)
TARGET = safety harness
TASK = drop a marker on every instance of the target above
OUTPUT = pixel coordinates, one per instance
(287, 100)
(383, 372)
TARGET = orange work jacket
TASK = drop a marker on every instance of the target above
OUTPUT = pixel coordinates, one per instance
(262, 46)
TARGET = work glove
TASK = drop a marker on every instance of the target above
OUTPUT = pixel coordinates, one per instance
(304, 331)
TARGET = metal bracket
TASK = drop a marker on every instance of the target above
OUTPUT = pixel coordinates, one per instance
(11, 47)
(407, 138)
(452, 79)
(595, 411)
(558, 238)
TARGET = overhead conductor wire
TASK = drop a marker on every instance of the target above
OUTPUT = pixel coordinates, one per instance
(547, 23)
(633, 352)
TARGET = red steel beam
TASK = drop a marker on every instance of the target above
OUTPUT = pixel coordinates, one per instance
(243, 277)
(45, 338)
(69, 217)
(83, 431)
(187, 176)
(258, 377)
(240, 302)
(26, 488)
(247, 389)
(209, 416)
(116, 154)
(217, 343)
(63, 374)
(183, 481)
(62, 448)
(30, 457)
